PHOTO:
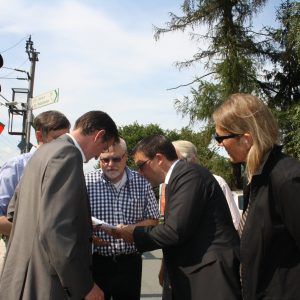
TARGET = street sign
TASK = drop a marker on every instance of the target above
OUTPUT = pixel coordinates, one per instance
(45, 99)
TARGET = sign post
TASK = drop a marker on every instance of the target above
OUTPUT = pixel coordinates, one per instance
(45, 99)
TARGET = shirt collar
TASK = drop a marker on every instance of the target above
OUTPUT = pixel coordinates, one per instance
(77, 146)
(122, 182)
(33, 149)
(170, 171)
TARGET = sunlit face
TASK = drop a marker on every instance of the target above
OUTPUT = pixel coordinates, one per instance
(148, 168)
(237, 147)
(113, 163)
(54, 134)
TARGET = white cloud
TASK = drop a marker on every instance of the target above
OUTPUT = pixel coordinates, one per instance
(96, 61)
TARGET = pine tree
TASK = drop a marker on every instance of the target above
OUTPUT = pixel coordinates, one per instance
(282, 83)
(230, 59)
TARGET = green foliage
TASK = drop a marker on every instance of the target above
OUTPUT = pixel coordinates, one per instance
(292, 145)
(237, 59)
(228, 59)
(202, 103)
(135, 132)
(207, 154)
(281, 87)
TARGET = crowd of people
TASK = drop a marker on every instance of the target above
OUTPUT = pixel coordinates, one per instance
(210, 251)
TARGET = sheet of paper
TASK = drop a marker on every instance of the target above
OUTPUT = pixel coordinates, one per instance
(102, 224)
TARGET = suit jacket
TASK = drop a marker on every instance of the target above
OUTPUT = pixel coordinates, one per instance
(270, 242)
(199, 241)
(49, 250)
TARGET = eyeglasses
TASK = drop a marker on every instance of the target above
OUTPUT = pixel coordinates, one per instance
(221, 138)
(141, 165)
(115, 159)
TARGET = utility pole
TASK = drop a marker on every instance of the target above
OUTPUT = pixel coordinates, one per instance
(33, 57)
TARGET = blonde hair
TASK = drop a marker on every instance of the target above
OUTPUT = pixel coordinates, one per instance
(245, 113)
(186, 150)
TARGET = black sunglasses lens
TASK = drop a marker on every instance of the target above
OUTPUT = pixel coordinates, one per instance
(219, 139)
(116, 159)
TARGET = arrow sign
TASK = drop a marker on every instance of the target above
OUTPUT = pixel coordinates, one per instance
(45, 99)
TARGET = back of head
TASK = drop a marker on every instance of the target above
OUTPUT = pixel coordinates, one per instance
(153, 144)
(186, 150)
(50, 120)
(119, 143)
(97, 120)
(245, 113)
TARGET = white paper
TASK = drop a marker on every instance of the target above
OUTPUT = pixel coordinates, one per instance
(102, 224)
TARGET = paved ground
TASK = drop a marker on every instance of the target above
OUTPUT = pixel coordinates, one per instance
(151, 289)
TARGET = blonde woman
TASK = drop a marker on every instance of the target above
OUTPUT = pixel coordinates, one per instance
(270, 225)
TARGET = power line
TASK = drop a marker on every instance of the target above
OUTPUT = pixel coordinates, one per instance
(18, 78)
(14, 69)
(15, 45)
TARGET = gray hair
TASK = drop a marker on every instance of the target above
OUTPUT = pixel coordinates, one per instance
(186, 150)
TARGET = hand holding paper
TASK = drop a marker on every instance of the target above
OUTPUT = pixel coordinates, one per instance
(102, 224)
(122, 231)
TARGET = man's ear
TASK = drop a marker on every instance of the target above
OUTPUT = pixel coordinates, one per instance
(39, 137)
(160, 158)
(99, 135)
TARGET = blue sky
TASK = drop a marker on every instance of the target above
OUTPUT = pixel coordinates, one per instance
(101, 55)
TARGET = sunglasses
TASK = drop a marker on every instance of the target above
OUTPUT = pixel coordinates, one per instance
(221, 138)
(141, 165)
(115, 159)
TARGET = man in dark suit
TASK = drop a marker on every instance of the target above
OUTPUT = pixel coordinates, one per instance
(49, 250)
(198, 238)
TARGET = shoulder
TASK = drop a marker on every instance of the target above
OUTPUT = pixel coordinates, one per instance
(132, 174)
(134, 177)
(95, 179)
(191, 174)
(183, 168)
(17, 161)
(221, 181)
(59, 148)
(284, 166)
(96, 174)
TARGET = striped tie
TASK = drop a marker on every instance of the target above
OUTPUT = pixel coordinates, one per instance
(243, 220)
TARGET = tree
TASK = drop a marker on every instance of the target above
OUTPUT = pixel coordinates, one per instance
(229, 58)
(208, 157)
(135, 132)
(282, 82)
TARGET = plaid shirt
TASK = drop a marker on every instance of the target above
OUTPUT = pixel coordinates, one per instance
(134, 202)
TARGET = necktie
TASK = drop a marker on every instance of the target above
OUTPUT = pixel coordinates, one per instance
(243, 220)
(247, 202)
(162, 200)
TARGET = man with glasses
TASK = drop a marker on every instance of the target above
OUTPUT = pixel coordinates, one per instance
(199, 242)
(119, 195)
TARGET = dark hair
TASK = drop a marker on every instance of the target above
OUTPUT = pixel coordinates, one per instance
(97, 120)
(50, 120)
(153, 144)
